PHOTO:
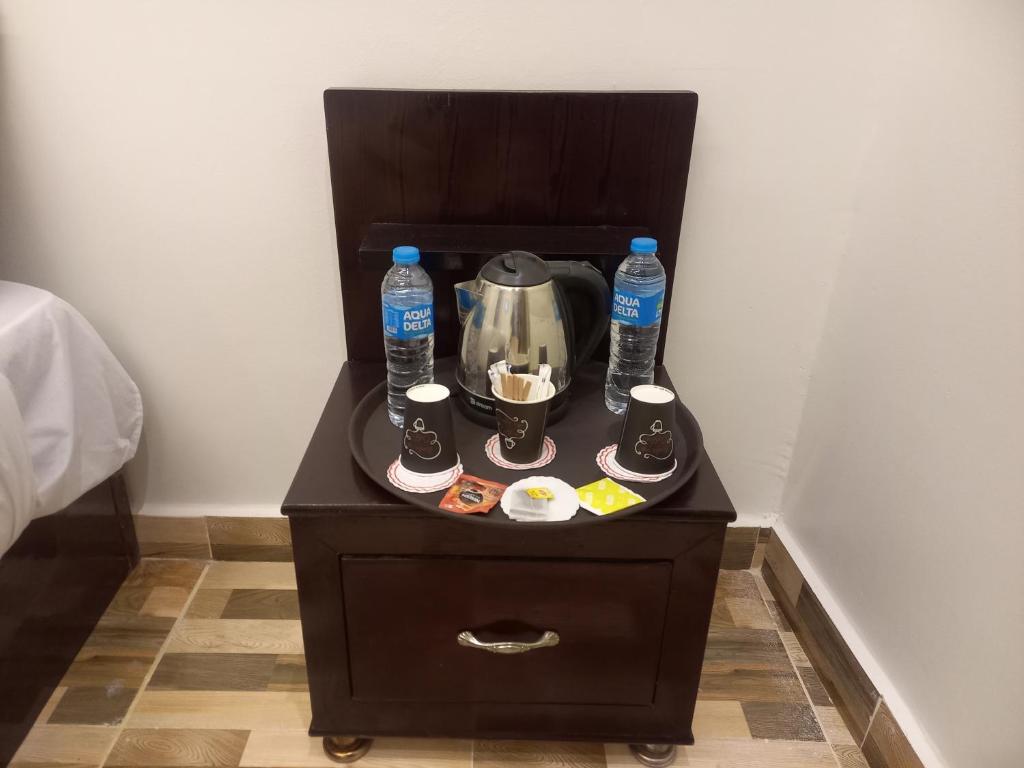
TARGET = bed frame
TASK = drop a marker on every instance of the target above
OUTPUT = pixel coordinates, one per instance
(55, 583)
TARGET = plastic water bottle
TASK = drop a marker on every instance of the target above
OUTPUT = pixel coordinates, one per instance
(407, 304)
(636, 322)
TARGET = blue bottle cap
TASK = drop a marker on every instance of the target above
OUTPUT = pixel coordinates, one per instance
(643, 245)
(405, 254)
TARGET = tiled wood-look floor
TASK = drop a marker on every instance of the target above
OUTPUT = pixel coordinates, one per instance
(198, 664)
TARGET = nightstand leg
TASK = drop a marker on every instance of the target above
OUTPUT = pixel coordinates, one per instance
(346, 749)
(654, 755)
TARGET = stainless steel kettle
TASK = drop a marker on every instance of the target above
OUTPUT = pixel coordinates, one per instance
(528, 311)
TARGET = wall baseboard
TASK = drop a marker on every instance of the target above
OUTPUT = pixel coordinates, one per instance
(157, 509)
(209, 532)
(862, 693)
(215, 537)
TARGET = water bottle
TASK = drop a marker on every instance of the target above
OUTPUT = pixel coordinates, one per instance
(407, 304)
(636, 322)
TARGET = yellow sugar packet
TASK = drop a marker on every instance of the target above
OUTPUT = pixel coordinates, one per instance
(604, 496)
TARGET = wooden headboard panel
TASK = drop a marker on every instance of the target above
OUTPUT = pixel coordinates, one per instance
(498, 158)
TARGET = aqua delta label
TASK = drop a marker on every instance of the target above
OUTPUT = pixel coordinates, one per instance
(408, 322)
(633, 309)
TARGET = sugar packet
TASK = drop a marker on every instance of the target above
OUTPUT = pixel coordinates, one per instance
(604, 496)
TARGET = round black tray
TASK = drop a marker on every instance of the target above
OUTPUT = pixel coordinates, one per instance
(586, 428)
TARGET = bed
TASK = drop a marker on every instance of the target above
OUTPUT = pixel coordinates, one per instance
(70, 419)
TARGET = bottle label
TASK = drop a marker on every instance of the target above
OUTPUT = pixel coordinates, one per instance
(408, 322)
(629, 308)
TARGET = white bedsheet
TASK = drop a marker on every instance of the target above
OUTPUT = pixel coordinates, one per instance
(70, 416)
(17, 483)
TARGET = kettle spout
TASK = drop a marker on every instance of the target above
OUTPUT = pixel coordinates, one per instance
(466, 297)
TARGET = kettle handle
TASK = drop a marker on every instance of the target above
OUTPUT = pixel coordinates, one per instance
(584, 278)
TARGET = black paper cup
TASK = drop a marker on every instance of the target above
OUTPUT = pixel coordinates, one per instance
(521, 424)
(646, 445)
(428, 438)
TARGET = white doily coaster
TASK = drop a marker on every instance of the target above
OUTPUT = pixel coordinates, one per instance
(606, 461)
(493, 452)
(557, 510)
(414, 482)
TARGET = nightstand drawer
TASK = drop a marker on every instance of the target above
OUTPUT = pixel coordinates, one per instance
(404, 617)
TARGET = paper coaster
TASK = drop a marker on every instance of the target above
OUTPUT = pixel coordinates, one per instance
(558, 509)
(414, 482)
(606, 461)
(547, 454)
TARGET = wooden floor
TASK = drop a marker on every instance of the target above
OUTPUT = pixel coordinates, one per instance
(200, 664)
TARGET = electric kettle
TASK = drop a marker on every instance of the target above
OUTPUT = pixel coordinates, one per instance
(528, 311)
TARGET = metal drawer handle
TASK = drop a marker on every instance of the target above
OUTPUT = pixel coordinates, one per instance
(548, 640)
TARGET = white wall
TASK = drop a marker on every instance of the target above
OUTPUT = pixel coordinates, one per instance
(906, 491)
(163, 167)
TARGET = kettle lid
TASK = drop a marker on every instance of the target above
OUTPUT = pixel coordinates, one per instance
(516, 269)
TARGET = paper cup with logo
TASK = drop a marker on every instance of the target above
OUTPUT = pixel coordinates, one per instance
(647, 443)
(521, 424)
(428, 438)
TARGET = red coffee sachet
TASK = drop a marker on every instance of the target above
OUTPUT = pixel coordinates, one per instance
(472, 494)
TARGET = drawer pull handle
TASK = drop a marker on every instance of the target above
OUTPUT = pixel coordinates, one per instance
(548, 640)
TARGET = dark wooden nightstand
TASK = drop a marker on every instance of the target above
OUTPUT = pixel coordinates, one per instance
(385, 589)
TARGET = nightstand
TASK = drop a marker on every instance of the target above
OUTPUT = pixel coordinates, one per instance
(609, 616)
